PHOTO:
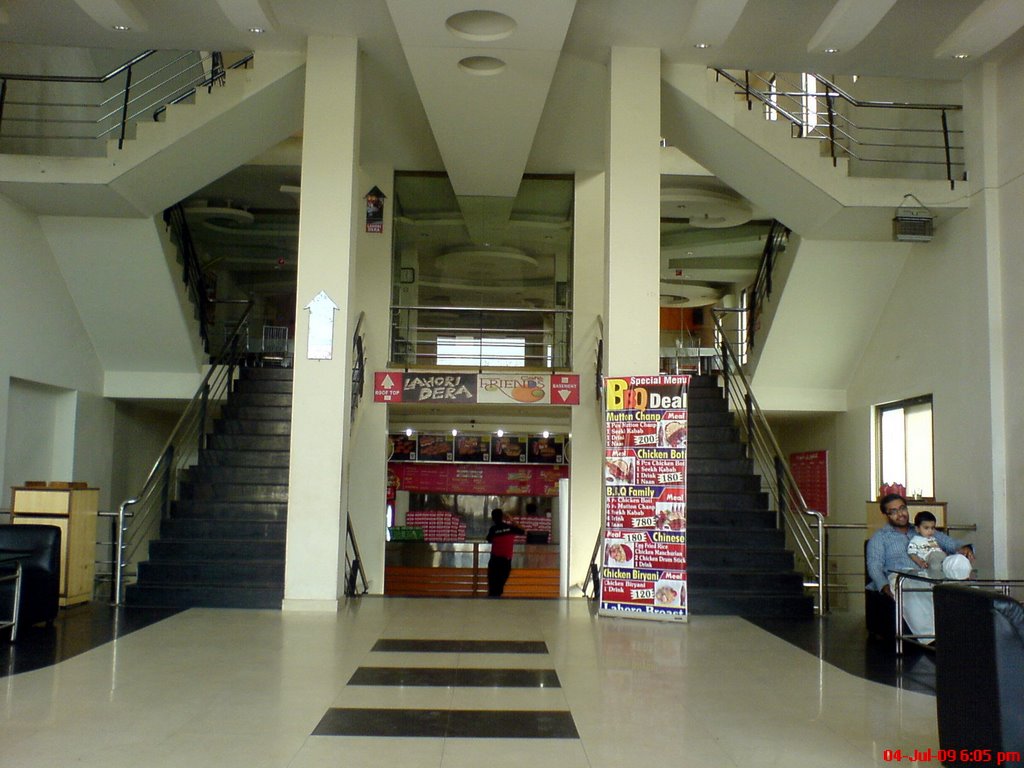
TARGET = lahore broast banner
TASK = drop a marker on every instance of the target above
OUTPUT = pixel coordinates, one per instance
(643, 566)
(460, 388)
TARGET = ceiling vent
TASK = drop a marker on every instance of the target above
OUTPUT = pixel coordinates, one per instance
(912, 225)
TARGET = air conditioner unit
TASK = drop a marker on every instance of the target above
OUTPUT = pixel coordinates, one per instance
(912, 225)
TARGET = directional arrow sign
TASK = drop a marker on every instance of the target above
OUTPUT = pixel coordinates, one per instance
(320, 344)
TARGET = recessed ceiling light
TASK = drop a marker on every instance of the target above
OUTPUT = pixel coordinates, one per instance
(121, 28)
(482, 65)
(702, 46)
(961, 55)
(257, 30)
(831, 50)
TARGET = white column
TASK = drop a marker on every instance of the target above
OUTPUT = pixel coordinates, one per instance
(320, 401)
(634, 212)
(586, 500)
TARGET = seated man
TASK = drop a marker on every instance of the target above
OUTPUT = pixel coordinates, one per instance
(887, 552)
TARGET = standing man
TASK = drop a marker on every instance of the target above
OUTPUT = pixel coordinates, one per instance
(887, 552)
(502, 536)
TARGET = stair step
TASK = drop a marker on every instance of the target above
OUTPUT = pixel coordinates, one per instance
(257, 412)
(714, 580)
(753, 605)
(207, 491)
(213, 528)
(262, 386)
(719, 434)
(729, 519)
(706, 449)
(273, 373)
(718, 466)
(252, 427)
(706, 483)
(746, 500)
(222, 457)
(700, 557)
(261, 399)
(230, 510)
(223, 572)
(229, 442)
(204, 473)
(208, 596)
(726, 535)
(164, 550)
(710, 418)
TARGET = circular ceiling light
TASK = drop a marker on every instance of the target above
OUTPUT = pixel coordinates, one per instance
(702, 46)
(831, 50)
(481, 65)
(481, 26)
(487, 260)
(704, 208)
(961, 56)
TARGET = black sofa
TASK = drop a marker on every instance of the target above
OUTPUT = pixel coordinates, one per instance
(979, 675)
(38, 547)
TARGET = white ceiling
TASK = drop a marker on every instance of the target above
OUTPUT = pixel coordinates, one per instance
(537, 114)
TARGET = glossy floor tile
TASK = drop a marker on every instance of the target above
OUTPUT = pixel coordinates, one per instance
(229, 688)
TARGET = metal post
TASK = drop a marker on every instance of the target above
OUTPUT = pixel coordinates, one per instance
(201, 429)
(822, 566)
(124, 108)
(949, 164)
(749, 403)
(780, 484)
(746, 88)
(831, 124)
(3, 99)
(165, 493)
(119, 563)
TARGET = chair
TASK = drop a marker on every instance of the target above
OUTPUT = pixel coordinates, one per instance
(39, 550)
(879, 610)
(979, 673)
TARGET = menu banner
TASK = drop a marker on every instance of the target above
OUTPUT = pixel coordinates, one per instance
(643, 555)
(476, 479)
(459, 388)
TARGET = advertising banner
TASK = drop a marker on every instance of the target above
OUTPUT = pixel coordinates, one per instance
(458, 388)
(476, 479)
(643, 554)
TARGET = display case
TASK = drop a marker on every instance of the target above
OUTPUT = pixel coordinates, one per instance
(72, 507)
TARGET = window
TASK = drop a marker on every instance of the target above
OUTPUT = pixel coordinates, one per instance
(474, 351)
(810, 103)
(903, 436)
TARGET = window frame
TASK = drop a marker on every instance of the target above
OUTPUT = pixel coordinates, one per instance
(879, 448)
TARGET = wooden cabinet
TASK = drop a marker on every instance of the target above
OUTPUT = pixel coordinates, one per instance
(73, 510)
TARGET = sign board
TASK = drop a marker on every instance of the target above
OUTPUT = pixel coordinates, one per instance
(810, 470)
(643, 553)
(458, 388)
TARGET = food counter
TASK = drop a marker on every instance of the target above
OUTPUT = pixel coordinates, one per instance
(459, 569)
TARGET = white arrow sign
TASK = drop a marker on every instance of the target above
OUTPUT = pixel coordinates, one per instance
(320, 344)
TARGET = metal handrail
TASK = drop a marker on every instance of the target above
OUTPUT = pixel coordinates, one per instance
(761, 288)
(841, 132)
(170, 83)
(136, 527)
(353, 563)
(805, 526)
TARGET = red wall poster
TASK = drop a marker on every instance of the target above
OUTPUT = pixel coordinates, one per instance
(643, 553)
(810, 470)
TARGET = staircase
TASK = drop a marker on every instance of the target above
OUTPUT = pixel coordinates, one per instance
(224, 543)
(737, 562)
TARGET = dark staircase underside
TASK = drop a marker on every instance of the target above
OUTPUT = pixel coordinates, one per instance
(224, 542)
(737, 561)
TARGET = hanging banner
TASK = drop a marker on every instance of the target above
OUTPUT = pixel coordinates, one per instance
(810, 470)
(643, 553)
(457, 388)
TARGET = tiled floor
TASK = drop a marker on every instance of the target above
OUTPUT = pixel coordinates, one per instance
(263, 688)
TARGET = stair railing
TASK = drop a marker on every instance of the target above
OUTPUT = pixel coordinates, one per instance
(906, 141)
(353, 563)
(804, 527)
(138, 518)
(761, 289)
(84, 110)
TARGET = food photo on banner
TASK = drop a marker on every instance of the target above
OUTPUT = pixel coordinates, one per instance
(643, 563)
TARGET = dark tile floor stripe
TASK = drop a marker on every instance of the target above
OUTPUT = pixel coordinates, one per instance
(456, 677)
(402, 645)
(439, 723)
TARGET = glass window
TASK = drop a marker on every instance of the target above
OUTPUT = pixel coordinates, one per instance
(471, 351)
(903, 435)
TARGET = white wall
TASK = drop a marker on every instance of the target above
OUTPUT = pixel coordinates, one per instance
(46, 347)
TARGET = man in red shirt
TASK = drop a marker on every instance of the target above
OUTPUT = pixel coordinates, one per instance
(502, 536)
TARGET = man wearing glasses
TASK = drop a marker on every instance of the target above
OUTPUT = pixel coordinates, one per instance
(887, 552)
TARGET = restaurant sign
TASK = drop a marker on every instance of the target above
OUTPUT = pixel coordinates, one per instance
(464, 388)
